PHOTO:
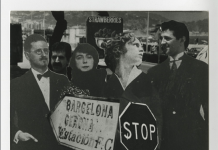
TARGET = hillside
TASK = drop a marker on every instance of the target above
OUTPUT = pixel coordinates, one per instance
(133, 20)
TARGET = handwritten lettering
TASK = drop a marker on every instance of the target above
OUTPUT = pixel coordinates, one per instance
(84, 139)
(101, 110)
(82, 123)
(87, 124)
(105, 19)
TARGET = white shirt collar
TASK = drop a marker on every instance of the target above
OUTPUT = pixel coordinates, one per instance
(36, 72)
(177, 56)
(44, 85)
(178, 62)
(135, 72)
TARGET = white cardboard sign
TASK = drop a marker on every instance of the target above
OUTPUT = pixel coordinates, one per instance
(86, 124)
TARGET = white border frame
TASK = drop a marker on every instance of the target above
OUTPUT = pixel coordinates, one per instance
(155, 5)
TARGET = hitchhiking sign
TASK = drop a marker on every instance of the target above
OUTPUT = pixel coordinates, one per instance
(85, 123)
(138, 128)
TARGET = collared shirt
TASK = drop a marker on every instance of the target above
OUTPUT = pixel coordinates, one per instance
(44, 85)
(135, 72)
(178, 62)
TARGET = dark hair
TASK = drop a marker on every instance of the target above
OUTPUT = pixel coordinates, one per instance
(179, 30)
(62, 47)
(32, 38)
(115, 47)
(87, 49)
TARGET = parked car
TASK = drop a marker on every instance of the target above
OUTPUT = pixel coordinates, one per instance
(203, 55)
(193, 52)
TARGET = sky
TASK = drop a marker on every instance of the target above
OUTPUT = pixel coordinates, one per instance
(184, 15)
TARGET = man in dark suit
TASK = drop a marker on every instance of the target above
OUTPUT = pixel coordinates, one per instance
(33, 96)
(182, 83)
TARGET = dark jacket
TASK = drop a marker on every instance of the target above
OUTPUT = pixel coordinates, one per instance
(32, 113)
(93, 81)
(183, 125)
(140, 90)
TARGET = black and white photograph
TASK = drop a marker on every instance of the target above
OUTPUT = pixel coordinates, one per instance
(97, 78)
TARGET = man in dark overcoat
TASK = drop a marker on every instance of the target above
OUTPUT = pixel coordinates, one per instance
(33, 97)
(182, 83)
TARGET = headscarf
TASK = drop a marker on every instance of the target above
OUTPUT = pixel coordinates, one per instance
(84, 80)
(87, 49)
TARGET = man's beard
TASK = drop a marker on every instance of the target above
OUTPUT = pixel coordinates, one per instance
(58, 67)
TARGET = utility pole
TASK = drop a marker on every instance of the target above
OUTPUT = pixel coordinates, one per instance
(159, 47)
(44, 23)
(147, 33)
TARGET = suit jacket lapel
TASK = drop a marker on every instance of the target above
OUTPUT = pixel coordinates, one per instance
(165, 67)
(35, 90)
(167, 64)
(54, 93)
(32, 83)
(184, 76)
(184, 66)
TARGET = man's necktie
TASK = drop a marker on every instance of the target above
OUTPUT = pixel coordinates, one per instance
(174, 67)
(172, 76)
(39, 76)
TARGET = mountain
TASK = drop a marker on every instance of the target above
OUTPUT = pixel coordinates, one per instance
(199, 26)
(80, 17)
(132, 20)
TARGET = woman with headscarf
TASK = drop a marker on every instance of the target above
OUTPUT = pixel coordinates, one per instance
(128, 83)
(85, 76)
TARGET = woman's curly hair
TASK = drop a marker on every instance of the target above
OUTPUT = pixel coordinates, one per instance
(115, 47)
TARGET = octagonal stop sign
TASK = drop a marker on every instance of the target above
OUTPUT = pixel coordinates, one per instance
(138, 128)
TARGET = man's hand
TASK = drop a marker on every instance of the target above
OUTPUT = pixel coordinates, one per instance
(23, 136)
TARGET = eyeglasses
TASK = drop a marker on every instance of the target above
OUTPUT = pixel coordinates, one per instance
(39, 51)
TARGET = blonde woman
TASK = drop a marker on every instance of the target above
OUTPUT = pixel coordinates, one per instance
(128, 83)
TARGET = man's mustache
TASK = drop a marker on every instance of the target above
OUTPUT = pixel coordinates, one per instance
(57, 65)
(43, 58)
